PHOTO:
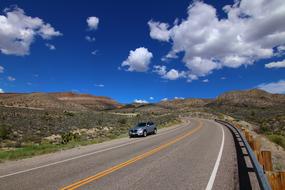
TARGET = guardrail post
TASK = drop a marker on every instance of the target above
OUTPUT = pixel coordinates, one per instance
(250, 141)
(276, 180)
(246, 134)
(256, 144)
(258, 156)
(267, 160)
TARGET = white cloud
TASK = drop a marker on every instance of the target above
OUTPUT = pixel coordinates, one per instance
(178, 98)
(1, 90)
(18, 31)
(281, 48)
(92, 22)
(277, 64)
(90, 39)
(140, 101)
(164, 99)
(50, 46)
(1, 69)
(138, 60)
(251, 31)
(223, 78)
(151, 98)
(94, 52)
(274, 87)
(158, 30)
(10, 78)
(205, 80)
(172, 74)
(100, 85)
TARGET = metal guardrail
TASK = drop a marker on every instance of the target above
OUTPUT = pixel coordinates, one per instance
(261, 177)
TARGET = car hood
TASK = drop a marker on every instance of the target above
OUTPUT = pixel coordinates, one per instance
(137, 128)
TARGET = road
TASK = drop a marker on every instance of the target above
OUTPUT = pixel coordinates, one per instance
(199, 154)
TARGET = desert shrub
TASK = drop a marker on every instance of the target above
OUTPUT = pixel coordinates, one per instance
(123, 121)
(67, 137)
(278, 139)
(69, 113)
(4, 131)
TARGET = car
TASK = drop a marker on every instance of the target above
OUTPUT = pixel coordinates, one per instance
(143, 129)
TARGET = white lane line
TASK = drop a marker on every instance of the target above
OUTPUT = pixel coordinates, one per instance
(88, 154)
(216, 167)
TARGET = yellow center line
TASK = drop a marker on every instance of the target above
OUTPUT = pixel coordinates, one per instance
(132, 160)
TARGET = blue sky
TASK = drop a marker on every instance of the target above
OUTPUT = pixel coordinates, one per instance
(179, 49)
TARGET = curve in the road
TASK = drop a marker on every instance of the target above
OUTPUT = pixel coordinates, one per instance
(132, 160)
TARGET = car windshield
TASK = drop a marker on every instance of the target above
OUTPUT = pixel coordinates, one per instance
(141, 125)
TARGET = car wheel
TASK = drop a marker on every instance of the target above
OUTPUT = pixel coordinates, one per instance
(131, 136)
(155, 131)
(144, 134)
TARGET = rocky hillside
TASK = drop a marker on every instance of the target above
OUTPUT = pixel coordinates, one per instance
(255, 98)
(87, 100)
(184, 103)
(255, 106)
(60, 101)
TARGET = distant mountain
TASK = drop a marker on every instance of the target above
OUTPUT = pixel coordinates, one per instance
(255, 106)
(87, 100)
(249, 98)
(81, 102)
(184, 103)
(63, 101)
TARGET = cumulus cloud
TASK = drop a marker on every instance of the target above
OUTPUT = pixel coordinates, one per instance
(281, 48)
(1, 69)
(159, 31)
(251, 30)
(277, 64)
(205, 80)
(138, 60)
(1, 90)
(164, 99)
(50, 46)
(151, 98)
(178, 98)
(92, 22)
(94, 52)
(99, 85)
(90, 39)
(274, 87)
(10, 78)
(140, 101)
(18, 31)
(172, 74)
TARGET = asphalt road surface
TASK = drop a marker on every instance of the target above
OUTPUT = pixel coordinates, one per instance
(199, 154)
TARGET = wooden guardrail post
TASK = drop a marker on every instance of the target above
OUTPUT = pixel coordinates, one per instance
(267, 160)
(243, 130)
(246, 134)
(259, 157)
(256, 144)
(276, 180)
(250, 141)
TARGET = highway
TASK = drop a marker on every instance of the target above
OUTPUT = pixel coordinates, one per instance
(198, 154)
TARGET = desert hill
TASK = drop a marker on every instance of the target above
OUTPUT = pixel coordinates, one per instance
(62, 101)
